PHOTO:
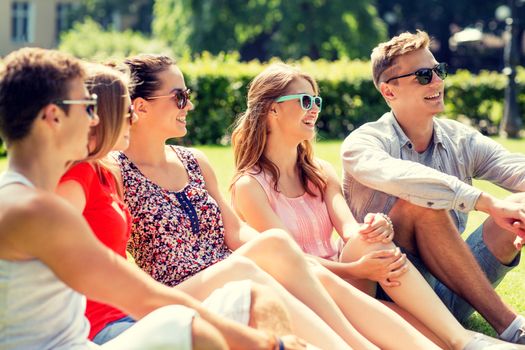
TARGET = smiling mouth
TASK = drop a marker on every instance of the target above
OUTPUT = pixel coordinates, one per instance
(309, 122)
(433, 97)
(182, 120)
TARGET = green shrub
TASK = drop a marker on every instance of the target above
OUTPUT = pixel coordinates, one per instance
(349, 96)
(89, 40)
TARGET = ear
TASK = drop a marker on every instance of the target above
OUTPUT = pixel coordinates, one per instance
(141, 106)
(51, 114)
(273, 110)
(387, 92)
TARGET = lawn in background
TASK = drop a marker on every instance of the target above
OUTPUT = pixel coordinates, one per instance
(511, 289)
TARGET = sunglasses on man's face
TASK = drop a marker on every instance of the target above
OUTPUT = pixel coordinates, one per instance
(180, 96)
(131, 116)
(307, 101)
(424, 75)
(90, 103)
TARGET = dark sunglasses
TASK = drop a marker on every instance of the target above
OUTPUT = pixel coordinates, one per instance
(307, 101)
(91, 104)
(424, 75)
(181, 97)
(131, 116)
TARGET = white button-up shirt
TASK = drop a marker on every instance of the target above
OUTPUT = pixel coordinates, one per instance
(380, 165)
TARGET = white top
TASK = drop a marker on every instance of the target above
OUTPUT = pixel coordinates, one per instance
(37, 310)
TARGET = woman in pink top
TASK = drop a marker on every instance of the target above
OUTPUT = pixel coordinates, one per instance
(279, 184)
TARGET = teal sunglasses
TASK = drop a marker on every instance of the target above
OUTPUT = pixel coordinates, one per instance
(307, 101)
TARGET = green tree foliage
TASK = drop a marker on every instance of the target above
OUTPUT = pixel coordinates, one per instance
(441, 17)
(261, 29)
(104, 11)
(89, 40)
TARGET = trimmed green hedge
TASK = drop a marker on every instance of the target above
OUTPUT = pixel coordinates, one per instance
(349, 96)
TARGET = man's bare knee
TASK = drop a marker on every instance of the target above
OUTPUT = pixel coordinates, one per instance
(268, 312)
(205, 336)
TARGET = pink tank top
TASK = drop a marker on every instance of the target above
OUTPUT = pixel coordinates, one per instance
(306, 219)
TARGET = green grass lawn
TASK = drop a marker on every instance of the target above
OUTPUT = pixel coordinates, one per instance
(510, 289)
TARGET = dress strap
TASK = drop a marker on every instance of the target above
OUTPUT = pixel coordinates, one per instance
(191, 165)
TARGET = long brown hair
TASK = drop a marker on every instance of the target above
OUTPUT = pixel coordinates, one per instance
(111, 87)
(250, 132)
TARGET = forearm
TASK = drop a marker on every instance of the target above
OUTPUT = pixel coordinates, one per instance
(238, 336)
(485, 203)
(410, 181)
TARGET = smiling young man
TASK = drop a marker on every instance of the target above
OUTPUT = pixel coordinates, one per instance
(419, 170)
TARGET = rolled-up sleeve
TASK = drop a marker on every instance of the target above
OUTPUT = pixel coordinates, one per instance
(495, 164)
(367, 158)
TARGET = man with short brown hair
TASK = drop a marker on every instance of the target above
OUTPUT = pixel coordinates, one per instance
(419, 170)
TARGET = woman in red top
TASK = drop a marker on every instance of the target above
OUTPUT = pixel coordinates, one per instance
(91, 185)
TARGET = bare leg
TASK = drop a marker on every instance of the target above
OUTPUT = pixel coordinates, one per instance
(305, 323)
(268, 312)
(432, 234)
(287, 260)
(499, 241)
(415, 296)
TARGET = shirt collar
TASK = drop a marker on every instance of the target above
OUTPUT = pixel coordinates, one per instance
(403, 138)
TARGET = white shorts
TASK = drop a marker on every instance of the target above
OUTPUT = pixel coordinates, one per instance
(232, 301)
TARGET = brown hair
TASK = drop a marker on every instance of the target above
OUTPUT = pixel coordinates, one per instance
(251, 130)
(110, 85)
(144, 71)
(30, 79)
(385, 54)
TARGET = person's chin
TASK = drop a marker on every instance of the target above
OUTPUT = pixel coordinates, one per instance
(181, 132)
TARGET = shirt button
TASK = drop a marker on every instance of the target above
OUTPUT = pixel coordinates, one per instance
(409, 145)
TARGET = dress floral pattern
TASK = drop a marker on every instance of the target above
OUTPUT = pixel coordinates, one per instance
(174, 235)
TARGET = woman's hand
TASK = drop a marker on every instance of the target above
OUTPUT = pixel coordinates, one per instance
(383, 266)
(377, 227)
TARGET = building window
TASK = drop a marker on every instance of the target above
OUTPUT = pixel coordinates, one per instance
(64, 12)
(21, 23)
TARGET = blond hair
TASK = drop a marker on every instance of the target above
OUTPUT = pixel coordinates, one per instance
(385, 54)
(111, 87)
(251, 129)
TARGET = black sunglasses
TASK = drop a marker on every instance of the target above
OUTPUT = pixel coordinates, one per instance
(181, 97)
(91, 104)
(424, 75)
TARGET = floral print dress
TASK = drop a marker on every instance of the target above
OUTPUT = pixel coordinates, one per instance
(174, 234)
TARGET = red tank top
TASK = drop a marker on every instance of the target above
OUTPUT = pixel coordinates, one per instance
(110, 221)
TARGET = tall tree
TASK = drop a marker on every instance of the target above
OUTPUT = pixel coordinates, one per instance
(264, 28)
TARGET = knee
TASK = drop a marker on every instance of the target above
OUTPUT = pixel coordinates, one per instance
(268, 310)
(242, 266)
(205, 336)
(404, 214)
(355, 248)
(278, 241)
